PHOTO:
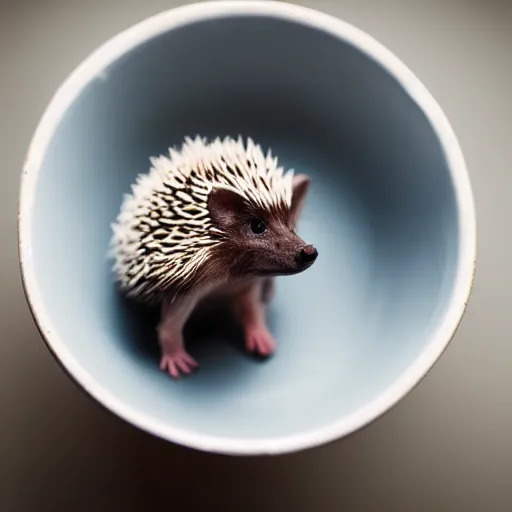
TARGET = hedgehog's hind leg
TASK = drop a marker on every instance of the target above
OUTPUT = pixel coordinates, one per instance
(250, 308)
(174, 358)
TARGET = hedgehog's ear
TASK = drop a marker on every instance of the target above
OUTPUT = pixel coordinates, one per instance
(300, 187)
(225, 207)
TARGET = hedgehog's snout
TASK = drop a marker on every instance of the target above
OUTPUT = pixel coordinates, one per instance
(308, 254)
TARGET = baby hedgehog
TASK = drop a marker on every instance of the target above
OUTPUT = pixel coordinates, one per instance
(215, 220)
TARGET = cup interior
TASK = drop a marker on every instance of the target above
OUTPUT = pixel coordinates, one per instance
(382, 211)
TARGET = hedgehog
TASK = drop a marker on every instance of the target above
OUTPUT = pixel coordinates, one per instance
(212, 220)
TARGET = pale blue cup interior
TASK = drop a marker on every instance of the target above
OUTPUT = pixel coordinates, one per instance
(381, 211)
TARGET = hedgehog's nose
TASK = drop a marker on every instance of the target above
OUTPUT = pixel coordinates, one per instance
(308, 254)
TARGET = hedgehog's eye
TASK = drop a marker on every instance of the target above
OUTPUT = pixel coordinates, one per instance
(258, 226)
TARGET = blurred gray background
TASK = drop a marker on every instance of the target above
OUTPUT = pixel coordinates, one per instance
(446, 446)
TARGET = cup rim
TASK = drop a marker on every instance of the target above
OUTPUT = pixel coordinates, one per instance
(93, 68)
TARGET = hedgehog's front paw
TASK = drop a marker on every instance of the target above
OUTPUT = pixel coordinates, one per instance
(259, 340)
(177, 362)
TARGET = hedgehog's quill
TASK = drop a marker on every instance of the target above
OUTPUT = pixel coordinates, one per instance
(215, 219)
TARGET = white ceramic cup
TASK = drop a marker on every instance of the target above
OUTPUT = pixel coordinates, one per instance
(390, 210)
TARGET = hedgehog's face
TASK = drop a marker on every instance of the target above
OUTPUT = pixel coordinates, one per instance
(260, 242)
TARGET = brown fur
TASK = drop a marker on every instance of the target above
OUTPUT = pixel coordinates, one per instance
(244, 255)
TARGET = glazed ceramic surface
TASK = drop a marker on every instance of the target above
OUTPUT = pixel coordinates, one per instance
(390, 211)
